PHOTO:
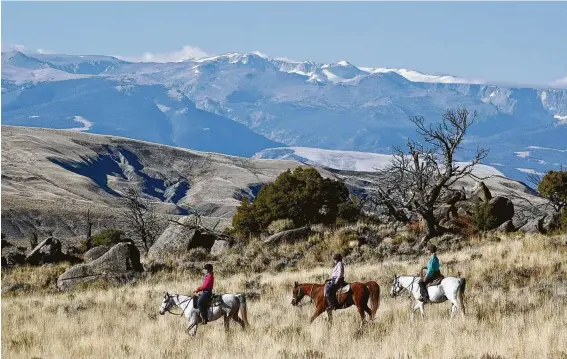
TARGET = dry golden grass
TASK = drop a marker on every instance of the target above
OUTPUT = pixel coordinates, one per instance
(516, 301)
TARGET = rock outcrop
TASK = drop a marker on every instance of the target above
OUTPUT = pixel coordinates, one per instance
(119, 265)
(95, 253)
(289, 236)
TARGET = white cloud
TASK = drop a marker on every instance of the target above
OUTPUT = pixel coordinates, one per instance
(560, 82)
(45, 52)
(186, 53)
(261, 54)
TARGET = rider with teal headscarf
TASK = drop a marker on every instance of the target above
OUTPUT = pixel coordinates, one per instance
(433, 272)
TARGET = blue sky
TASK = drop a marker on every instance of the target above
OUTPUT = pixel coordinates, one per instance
(510, 42)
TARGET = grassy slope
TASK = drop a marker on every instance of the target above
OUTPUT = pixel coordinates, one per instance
(516, 300)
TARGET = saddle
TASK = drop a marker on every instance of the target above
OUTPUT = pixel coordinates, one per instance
(342, 290)
(214, 301)
(436, 281)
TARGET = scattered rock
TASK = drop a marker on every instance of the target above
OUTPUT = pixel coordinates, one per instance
(12, 256)
(48, 251)
(506, 227)
(289, 236)
(219, 247)
(551, 222)
(18, 287)
(533, 226)
(120, 264)
(95, 253)
(482, 192)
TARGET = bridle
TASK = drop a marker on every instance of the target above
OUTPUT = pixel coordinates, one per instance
(399, 288)
(170, 298)
(301, 295)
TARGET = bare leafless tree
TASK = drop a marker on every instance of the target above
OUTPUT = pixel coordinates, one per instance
(417, 181)
(139, 218)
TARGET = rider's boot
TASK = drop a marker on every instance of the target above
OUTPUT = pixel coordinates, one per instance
(330, 304)
(204, 318)
(424, 295)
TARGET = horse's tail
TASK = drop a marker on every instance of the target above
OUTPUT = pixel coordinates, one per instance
(243, 309)
(461, 292)
(374, 290)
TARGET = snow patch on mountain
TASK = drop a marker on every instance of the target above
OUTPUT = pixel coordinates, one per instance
(349, 160)
(163, 108)
(562, 119)
(86, 124)
(522, 154)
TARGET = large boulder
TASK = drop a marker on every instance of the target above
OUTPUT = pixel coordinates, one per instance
(48, 251)
(289, 236)
(220, 247)
(506, 227)
(481, 192)
(501, 209)
(95, 253)
(119, 265)
(178, 239)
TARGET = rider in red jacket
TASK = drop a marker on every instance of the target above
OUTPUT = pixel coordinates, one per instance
(207, 291)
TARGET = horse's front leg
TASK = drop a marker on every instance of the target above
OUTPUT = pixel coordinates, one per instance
(317, 313)
(226, 323)
(421, 310)
(192, 325)
(415, 307)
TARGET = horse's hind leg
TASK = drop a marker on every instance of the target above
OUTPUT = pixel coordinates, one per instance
(368, 311)
(237, 319)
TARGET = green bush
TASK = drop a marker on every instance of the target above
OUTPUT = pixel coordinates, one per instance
(481, 217)
(302, 196)
(107, 237)
(280, 225)
(563, 220)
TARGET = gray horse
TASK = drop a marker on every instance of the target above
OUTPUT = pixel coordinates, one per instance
(226, 306)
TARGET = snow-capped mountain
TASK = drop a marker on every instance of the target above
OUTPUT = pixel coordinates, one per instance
(244, 103)
(349, 160)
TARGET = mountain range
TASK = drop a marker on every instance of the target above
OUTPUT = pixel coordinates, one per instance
(248, 104)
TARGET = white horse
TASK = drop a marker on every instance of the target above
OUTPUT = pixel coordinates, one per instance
(450, 288)
(227, 308)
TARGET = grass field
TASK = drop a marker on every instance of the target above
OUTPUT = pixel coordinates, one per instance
(516, 300)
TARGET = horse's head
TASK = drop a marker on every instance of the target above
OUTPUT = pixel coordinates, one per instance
(396, 286)
(166, 304)
(297, 294)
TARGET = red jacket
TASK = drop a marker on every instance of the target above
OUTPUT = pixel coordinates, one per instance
(208, 282)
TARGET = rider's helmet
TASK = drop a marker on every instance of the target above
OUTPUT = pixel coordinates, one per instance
(432, 248)
(208, 267)
(338, 257)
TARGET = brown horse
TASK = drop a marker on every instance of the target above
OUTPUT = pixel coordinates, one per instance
(358, 295)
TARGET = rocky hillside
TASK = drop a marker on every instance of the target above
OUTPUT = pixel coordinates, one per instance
(50, 178)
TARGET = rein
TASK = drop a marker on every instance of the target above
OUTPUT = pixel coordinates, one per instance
(310, 297)
(410, 291)
(178, 306)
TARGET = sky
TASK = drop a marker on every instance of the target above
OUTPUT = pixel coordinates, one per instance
(499, 42)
